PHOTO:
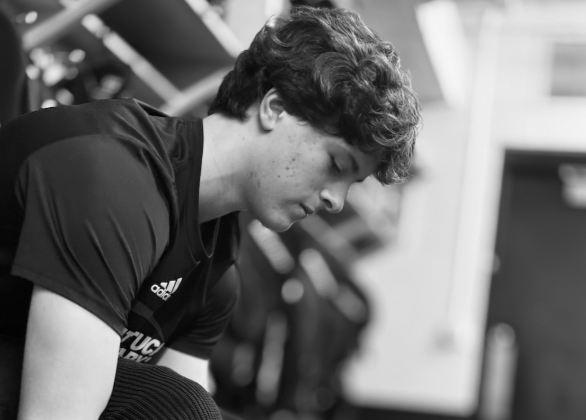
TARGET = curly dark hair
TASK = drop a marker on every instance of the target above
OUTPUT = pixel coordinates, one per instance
(333, 72)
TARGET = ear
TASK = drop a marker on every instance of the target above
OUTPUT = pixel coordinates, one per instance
(271, 109)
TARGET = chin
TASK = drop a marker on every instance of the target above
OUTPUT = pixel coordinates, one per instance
(275, 218)
(277, 227)
(275, 224)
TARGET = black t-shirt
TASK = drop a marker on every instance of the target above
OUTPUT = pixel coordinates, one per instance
(99, 203)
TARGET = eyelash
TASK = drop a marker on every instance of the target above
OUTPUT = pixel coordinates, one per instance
(334, 165)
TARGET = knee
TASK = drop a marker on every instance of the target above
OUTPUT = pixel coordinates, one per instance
(145, 392)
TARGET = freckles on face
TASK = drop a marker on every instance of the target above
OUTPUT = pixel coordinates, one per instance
(291, 169)
(297, 167)
(284, 180)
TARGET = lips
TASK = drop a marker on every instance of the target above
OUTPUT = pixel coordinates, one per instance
(308, 210)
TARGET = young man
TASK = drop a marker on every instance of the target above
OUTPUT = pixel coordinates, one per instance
(118, 224)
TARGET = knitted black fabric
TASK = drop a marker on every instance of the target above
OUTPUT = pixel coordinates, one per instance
(145, 392)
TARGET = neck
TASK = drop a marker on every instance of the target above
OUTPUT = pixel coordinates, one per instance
(223, 167)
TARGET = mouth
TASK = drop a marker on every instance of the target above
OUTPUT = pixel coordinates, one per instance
(308, 211)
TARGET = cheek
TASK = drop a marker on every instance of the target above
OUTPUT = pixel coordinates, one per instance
(293, 173)
(291, 167)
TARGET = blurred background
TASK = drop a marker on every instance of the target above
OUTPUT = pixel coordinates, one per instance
(457, 295)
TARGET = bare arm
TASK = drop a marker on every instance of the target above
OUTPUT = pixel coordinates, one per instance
(69, 361)
(191, 367)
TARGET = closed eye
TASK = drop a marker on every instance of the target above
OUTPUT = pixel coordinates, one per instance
(334, 166)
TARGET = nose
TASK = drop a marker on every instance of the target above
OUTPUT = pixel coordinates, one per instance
(334, 198)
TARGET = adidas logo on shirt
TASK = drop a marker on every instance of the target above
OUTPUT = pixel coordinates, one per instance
(166, 289)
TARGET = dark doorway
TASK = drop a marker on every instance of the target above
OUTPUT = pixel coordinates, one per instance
(539, 287)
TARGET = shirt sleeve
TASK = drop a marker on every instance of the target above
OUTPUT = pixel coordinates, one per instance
(94, 223)
(209, 325)
(205, 328)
